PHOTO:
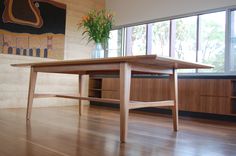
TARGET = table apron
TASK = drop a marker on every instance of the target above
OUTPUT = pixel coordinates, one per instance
(78, 68)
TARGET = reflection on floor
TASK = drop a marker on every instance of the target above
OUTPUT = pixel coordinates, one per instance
(60, 131)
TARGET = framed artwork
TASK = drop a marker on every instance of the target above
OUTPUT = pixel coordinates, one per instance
(33, 28)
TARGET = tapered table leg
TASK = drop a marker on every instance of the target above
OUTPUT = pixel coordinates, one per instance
(80, 94)
(32, 83)
(174, 96)
(125, 80)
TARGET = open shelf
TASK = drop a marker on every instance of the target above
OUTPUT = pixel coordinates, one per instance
(233, 106)
(95, 93)
(95, 84)
(95, 87)
(233, 96)
(233, 90)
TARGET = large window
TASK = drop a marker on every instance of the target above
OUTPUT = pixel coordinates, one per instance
(136, 40)
(212, 40)
(208, 38)
(160, 38)
(233, 42)
(115, 43)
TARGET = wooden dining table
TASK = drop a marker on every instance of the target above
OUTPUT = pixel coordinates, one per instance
(122, 66)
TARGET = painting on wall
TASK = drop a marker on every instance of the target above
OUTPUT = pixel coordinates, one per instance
(33, 28)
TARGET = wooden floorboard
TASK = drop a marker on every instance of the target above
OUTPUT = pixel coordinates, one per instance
(60, 131)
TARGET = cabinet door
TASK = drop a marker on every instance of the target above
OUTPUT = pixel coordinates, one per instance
(214, 104)
(215, 87)
(110, 88)
(146, 89)
(189, 90)
(110, 84)
(111, 94)
(215, 96)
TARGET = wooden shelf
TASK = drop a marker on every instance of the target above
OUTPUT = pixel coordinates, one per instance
(95, 89)
(140, 104)
(233, 96)
(106, 100)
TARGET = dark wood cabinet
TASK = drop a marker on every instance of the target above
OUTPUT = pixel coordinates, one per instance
(216, 96)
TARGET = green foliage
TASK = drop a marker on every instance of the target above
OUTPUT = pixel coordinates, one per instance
(161, 34)
(185, 38)
(139, 38)
(212, 45)
(97, 25)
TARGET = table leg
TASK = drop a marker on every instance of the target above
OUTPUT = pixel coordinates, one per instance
(174, 96)
(125, 80)
(80, 94)
(32, 83)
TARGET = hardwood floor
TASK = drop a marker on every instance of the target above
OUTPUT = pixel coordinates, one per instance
(61, 131)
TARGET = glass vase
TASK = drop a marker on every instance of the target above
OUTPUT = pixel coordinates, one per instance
(98, 51)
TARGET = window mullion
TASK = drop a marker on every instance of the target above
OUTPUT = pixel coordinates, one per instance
(149, 39)
(197, 40)
(228, 59)
(123, 41)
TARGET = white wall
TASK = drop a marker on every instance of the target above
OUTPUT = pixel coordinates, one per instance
(14, 81)
(133, 11)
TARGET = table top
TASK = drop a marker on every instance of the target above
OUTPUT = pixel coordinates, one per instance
(153, 60)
